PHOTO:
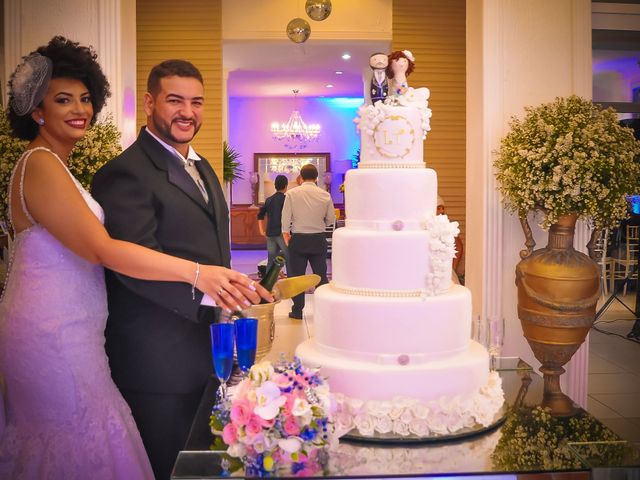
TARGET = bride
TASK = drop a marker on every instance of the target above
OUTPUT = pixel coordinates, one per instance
(65, 419)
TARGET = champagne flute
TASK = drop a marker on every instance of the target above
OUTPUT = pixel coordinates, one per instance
(246, 342)
(496, 339)
(222, 350)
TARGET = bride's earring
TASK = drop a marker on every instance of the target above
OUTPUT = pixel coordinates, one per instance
(41, 121)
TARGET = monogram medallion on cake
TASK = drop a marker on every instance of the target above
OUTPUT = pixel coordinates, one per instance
(394, 136)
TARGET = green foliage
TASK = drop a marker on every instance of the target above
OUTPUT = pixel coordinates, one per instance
(99, 145)
(569, 156)
(231, 170)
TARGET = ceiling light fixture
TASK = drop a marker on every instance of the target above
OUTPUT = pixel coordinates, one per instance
(346, 56)
(339, 72)
(329, 85)
(295, 133)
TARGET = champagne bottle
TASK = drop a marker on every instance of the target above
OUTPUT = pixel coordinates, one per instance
(271, 276)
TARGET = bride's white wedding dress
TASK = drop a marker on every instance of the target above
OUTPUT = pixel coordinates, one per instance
(65, 418)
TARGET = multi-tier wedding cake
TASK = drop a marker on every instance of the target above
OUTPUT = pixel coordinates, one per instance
(392, 331)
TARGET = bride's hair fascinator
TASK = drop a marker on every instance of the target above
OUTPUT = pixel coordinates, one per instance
(28, 84)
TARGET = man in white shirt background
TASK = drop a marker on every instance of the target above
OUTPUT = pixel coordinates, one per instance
(308, 211)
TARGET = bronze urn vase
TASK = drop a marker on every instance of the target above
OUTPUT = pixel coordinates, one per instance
(558, 288)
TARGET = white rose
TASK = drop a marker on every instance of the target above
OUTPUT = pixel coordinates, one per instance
(420, 411)
(419, 427)
(379, 408)
(383, 424)
(364, 424)
(237, 450)
(406, 416)
(261, 372)
(400, 428)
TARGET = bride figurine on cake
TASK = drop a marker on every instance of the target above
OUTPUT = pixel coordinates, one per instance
(401, 64)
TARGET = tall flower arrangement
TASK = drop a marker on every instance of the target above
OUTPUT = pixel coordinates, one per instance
(99, 145)
(569, 156)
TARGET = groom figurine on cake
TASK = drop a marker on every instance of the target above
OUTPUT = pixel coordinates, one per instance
(379, 83)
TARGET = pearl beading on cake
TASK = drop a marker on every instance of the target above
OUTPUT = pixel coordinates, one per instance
(386, 225)
(390, 165)
(371, 292)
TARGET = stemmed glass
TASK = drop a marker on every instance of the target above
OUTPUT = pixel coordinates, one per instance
(222, 336)
(496, 339)
(246, 342)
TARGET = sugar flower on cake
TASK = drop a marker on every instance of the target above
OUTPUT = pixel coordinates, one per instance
(277, 417)
(411, 417)
(442, 235)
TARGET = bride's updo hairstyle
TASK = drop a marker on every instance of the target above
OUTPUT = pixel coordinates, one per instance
(60, 58)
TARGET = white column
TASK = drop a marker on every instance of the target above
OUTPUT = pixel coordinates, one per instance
(106, 25)
(519, 53)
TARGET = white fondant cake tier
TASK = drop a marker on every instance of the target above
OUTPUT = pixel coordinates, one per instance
(381, 330)
(376, 198)
(459, 374)
(396, 261)
(394, 136)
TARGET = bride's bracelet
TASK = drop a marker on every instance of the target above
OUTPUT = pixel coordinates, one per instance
(195, 280)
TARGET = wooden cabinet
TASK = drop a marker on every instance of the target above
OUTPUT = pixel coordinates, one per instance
(244, 228)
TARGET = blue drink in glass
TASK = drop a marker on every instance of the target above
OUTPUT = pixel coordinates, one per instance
(246, 342)
(222, 339)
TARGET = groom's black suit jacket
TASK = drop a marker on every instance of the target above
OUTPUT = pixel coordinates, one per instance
(155, 340)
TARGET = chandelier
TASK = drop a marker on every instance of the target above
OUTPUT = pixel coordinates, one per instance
(295, 133)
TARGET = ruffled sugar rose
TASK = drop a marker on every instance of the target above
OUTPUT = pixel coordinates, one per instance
(569, 156)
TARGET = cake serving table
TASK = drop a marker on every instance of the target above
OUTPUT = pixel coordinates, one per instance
(470, 455)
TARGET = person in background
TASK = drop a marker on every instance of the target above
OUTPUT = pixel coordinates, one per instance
(161, 194)
(459, 247)
(308, 211)
(272, 208)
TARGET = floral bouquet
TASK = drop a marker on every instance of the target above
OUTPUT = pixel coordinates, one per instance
(279, 416)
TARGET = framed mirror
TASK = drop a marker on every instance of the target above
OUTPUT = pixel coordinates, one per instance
(267, 166)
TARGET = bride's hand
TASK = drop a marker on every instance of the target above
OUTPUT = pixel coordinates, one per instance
(230, 290)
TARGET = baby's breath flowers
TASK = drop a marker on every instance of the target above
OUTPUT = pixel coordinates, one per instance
(533, 439)
(99, 145)
(569, 156)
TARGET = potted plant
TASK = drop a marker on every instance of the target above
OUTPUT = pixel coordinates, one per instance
(568, 158)
(231, 167)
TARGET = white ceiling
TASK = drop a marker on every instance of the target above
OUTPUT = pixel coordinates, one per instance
(275, 68)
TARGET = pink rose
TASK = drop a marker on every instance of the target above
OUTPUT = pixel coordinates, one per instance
(241, 412)
(266, 423)
(291, 427)
(253, 426)
(230, 434)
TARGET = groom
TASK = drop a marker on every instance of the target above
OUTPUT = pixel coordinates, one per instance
(159, 193)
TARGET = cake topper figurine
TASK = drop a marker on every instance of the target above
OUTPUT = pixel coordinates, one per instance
(379, 82)
(401, 64)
